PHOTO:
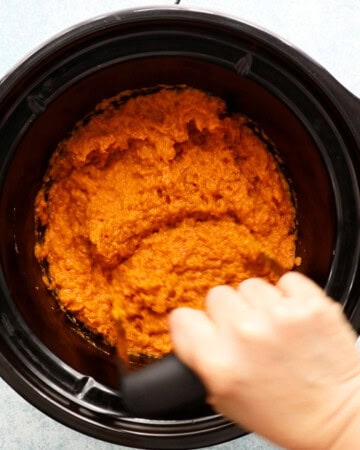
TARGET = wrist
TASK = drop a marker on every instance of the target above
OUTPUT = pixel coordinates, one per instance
(349, 436)
(335, 426)
(347, 419)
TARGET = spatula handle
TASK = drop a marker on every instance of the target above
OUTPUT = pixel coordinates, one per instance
(161, 387)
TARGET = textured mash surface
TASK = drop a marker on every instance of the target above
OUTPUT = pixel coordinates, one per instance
(156, 197)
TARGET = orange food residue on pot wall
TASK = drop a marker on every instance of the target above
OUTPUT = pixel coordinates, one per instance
(155, 197)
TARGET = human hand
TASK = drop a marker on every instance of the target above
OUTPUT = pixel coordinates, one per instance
(278, 360)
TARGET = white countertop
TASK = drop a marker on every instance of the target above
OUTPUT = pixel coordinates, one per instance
(327, 30)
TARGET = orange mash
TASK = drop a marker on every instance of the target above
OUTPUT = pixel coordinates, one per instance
(157, 196)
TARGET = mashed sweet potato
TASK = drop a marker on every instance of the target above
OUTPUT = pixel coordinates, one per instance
(155, 197)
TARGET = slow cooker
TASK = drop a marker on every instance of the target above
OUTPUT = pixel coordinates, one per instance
(313, 120)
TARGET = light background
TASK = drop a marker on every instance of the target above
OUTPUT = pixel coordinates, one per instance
(327, 30)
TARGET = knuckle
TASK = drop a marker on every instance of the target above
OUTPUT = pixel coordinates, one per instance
(216, 296)
(223, 390)
(250, 284)
(215, 376)
(219, 292)
(324, 310)
(251, 331)
(223, 385)
(316, 311)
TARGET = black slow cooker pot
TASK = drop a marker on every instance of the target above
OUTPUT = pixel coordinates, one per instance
(314, 121)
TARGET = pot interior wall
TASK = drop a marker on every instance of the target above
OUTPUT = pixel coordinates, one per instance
(303, 166)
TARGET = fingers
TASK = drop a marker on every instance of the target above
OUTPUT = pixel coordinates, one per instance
(251, 294)
(259, 294)
(222, 303)
(192, 333)
(298, 286)
(242, 317)
(303, 299)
